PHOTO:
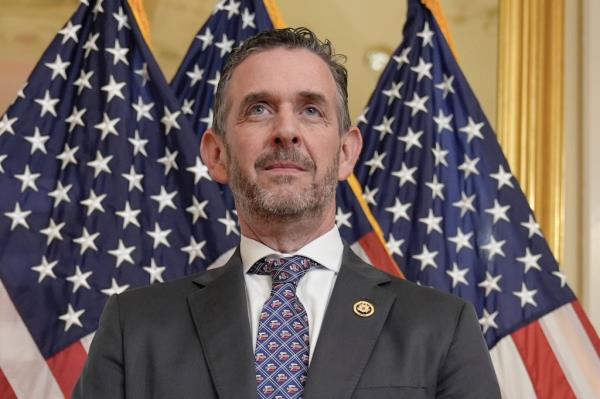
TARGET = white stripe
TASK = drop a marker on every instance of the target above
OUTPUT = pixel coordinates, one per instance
(87, 341)
(20, 360)
(221, 260)
(511, 372)
(574, 351)
(358, 250)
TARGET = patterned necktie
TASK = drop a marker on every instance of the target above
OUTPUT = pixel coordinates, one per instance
(282, 345)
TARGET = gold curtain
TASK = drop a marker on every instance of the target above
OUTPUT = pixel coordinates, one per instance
(530, 106)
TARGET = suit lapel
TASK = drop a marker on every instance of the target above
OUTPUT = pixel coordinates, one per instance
(220, 314)
(346, 340)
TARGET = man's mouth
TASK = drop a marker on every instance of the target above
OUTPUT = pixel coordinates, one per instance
(284, 167)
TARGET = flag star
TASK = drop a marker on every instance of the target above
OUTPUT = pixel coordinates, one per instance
(199, 170)
(530, 261)
(123, 253)
(119, 53)
(206, 38)
(58, 67)
(436, 188)
(143, 73)
(79, 279)
(52, 232)
(411, 139)
(208, 119)
(28, 179)
(393, 92)
(155, 272)
(426, 34)
(21, 93)
(562, 277)
(76, 118)
(90, 44)
(194, 250)
(37, 141)
(18, 217)
(494, 247)
(139, 144)
(399, 210)
(6, 124)
(84, 2)
(72, 317)
(532, 227)
(440, 155)
(169, 160)
(230, 224)
(487, 321)
(68, 156)
(342, 219)
(107, 126)
(225, 45)
(362, 118)
(60, 193)
(385, 127)
(417, 104)
(490, 284)
(2, 158)
(376, 162)
(93, 202)
(100, 164)
(164, 199)
(369, 195)
(446, 85)
(232, 8)
(498, 212)
(526, 296)
(142, 109)
(47, 103)
(427, 258)
(461, 240)
(83, 82)
(122, 20)
(170, 120)
(69, 32)
(503, 177)
(134, 179)
(115, 288)
(443, 121)
(247, 19)
(197, 209)
(113, 89)
(465, 204)
(86, 241)
(432, 222)
(214, 82)
(186, 108)
(394, 245)
(196, 75)
(129, 215)
(423, 69)
(458, 275)
(45, 269)
(472, 130)
(159, 236)
(469, 166)
(405, 174)
(97, 9)
(402, 58)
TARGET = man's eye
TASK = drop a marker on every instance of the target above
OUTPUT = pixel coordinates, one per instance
(257, 109)
(312, 111)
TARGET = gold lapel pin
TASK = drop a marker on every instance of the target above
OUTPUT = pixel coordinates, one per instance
(364, 309)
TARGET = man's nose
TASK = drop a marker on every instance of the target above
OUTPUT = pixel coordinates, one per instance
(287, 129)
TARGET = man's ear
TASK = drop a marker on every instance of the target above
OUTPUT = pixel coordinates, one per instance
(214, 156)
(349, 150)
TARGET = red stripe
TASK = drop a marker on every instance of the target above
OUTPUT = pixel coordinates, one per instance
(544, 370)
(379, 254)
(587, 326)
(67, 366)
(6, 391)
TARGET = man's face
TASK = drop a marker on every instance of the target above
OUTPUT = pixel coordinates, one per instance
(282, 139)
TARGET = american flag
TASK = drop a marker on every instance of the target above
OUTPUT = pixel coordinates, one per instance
(102, 190)
(455, 218)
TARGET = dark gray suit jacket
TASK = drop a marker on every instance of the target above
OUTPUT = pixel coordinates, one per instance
(191, 339)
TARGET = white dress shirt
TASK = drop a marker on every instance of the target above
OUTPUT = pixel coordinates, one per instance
(314, 288)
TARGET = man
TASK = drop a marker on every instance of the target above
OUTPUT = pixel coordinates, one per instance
(294, 313)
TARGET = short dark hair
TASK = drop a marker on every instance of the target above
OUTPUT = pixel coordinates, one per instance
(288, 38)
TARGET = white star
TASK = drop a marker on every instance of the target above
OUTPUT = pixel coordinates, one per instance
(18, 217)
(164, 199)
(115, 288)
(52, 232)
(107, 126)
(432, 222)
(490, 284)
(562, 277)
(21, 93)
(426, 34)
(532, 227)
(443, 121)
(83, 81)
(461, 240)
(423, 69)
(86, 241)
(494, 247)
(393, 92)
(214, 82)
(75, 119)
(93, 202)
(488, 320)
(362, 118)
(100, 164)
(155, 272)
(469, 166)
(98, 9)
(206, 38)
(6, 124)
(458, 275)
(134, 179)
(208, 119)
(90, 44)
(194, 250)
(139, 144)
(169, 160)
(232, 8)
(170, 120)
(440, 155)
(122, 19)
(58, 67)
(67, 156)
(159, 236)
(199, 170)
(426, 258)
(411, 139)
(503, 177)
(465, 204)
(530, 261)
(28, 179)
(405, 174)
(472, 130)
(399, 210)
(394, 245)
(2, 158)
(69, 32)
(385, 127)
(47, 103)
(498, 212)
(369, 195)
(142, 109)
(342, 219)
(436, 188)
(526, 296)
(45, 269)
(186, 108)
(129, 215)
(247, 19)
(446, 85)
(402, 58)
(143, 72)
(119, 53)
(196, 75)
(225, 45)
(72, 317)
(113, 89)
(79, 279)
(122, 253)
(197, 209)
(230, 224)
(60, 193)
(417, 104)
(37, 141)
(376, 162)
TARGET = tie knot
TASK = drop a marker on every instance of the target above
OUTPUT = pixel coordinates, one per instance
(283, 270)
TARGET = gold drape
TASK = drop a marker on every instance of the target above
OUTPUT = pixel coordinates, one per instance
(530, 106)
